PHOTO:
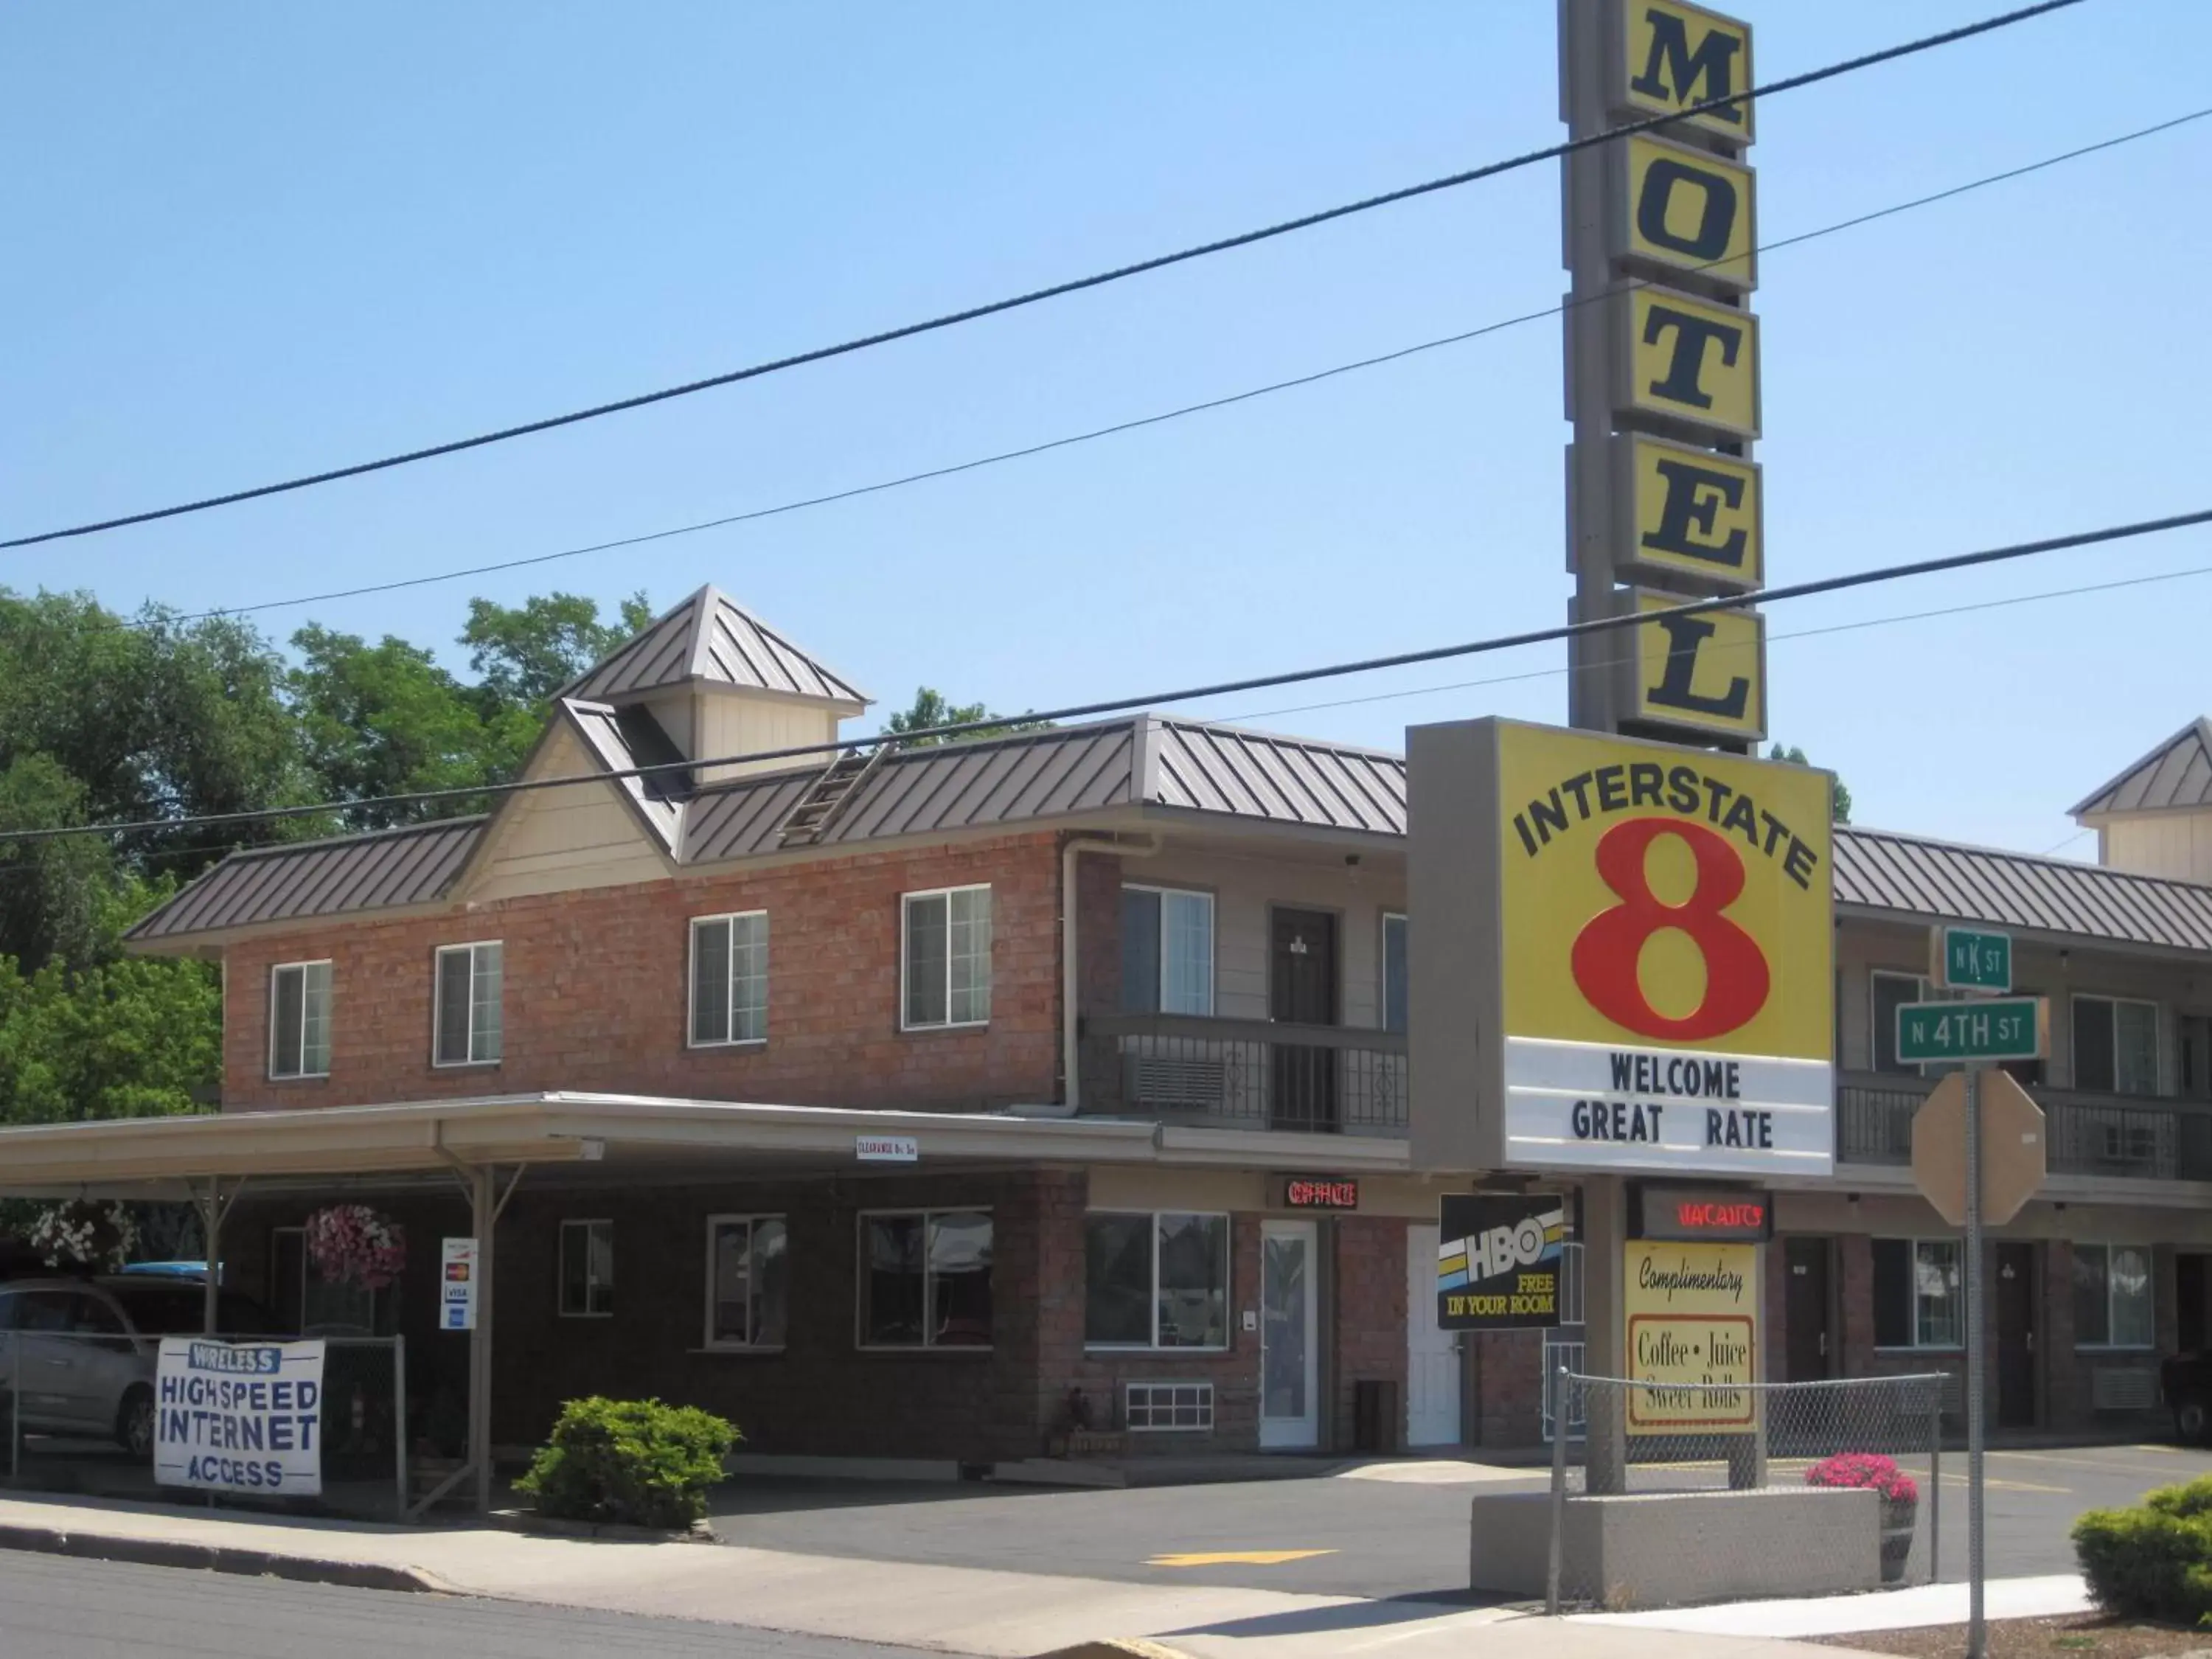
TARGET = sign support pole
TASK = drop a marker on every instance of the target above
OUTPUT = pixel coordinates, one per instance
(1976, 1631)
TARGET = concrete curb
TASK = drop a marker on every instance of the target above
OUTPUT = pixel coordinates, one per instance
(218, 1558)
(1124, 1648)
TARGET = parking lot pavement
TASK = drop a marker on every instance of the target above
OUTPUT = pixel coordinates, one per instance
(1348, 1535)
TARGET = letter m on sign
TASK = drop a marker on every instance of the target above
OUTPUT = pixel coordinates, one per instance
(1675, 56)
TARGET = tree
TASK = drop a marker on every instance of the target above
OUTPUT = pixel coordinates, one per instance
(1842, 797)
(523, 654)
(386, 719)
(930, 709)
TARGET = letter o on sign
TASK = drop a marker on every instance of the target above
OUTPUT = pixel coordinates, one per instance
(1528, 1239)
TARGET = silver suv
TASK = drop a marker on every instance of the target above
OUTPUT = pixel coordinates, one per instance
(79, 1353)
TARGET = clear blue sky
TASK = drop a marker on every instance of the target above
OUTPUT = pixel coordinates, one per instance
(248, 241)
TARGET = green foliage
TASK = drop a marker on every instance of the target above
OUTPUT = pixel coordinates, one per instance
(1843, 798)
(2154, 1561)
(636, 1462)
(930, 709)
(523, 654)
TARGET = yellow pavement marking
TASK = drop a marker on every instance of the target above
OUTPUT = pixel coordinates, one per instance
(2105, 1465)
(1235, 1557)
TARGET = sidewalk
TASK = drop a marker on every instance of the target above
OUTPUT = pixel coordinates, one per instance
(961, 1610)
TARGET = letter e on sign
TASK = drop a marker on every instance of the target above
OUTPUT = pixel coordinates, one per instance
(1683, 512)
(1667, 57)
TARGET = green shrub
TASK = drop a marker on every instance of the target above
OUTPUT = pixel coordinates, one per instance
(2154, 1562)
(636, 1462)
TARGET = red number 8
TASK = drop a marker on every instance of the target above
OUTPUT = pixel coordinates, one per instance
(1608, 949)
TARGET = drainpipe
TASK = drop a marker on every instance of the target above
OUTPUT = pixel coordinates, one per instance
(1070, 961)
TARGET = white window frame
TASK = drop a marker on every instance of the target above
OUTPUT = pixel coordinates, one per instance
(1913, 1247)
(1228, 1287)
(276, 970)
(692, 1039)
(860, 1268)
(906, 901)
(591, 1284)
(438, 1003)
(1164, 890)
(2074, 1002)
(2150, 1259)
(709, 1343)
(1383, 969)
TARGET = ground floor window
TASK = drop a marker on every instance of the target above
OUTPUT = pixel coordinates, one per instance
(747, 1281)
(1919, 1295)
(1156, 1280)
(2112, 1306)
(587, 1269)
(925, 1279)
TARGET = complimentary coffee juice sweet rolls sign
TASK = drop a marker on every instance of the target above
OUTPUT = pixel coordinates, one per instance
(1694, 1335)
(239, 1417)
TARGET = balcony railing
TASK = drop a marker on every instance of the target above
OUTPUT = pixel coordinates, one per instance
(2133, 1137)
(1253, 1074)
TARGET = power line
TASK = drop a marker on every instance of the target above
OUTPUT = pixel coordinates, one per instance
(1057, 290)
(1718, 647)
(1187, 694)
(1161, 417)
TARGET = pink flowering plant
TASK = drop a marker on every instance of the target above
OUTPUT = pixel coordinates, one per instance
(352, 1244)
(1866, 1470)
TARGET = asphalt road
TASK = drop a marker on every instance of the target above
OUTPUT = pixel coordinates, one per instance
(52, 1608)
(1369, 1537)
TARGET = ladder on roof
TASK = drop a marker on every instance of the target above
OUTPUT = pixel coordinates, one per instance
(834, 789)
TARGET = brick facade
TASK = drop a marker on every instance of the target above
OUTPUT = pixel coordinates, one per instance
(596, 989)
(823, 1393)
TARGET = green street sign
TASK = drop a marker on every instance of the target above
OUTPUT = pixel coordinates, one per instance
(2010, 1028)
(1973, 959)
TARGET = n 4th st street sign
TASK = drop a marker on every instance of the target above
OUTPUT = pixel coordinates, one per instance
(2009, 1028)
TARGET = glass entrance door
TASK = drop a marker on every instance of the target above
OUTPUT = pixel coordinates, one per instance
(1289, 1354)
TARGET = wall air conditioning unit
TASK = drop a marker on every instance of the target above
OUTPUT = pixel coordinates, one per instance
(2123, 1388)
(1167, 1083)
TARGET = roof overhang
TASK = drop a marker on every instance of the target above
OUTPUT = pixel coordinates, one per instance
(2049, 938)
(620, 1136)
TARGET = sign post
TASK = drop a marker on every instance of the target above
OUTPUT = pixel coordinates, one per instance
(2013, 1028)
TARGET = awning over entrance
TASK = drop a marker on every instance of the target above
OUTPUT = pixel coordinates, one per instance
(170, 1158)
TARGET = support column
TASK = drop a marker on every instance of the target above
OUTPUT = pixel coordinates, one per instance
(483, 1221)
(1605, 1241)
(211, 1244)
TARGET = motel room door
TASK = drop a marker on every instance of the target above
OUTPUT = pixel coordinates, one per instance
(1290, 1335)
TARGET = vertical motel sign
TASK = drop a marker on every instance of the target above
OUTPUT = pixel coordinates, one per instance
(1663, 499)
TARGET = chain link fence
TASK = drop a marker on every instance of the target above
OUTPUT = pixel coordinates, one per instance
(1661, 1441)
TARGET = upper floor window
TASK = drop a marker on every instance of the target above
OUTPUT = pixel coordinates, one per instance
(1394, 972)
(729, 979)
(1167, 952)
(2115, 1046)
(468, 1003)
(945, 958)
(299, 1019)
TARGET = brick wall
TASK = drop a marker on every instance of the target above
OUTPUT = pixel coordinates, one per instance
(596, 989)
(1370, 1316)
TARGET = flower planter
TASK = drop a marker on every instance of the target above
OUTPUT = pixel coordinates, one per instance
(1898, 1527)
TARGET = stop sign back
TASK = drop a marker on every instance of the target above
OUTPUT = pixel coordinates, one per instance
(2013, 1148)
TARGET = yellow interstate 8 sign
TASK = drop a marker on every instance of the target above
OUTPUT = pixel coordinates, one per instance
(1704, 673)
(1686, 360)
(1666, 56)
(1689, 516)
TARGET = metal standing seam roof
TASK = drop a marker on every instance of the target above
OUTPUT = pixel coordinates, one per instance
(662, 812)
(2176, 774)
(1149, 761)
(373, 872)
(710, 639)
(1877, 870)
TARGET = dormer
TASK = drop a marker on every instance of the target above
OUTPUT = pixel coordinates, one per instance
(718, 681)
(2155, 819)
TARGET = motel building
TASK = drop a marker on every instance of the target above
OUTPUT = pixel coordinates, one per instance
(1048, 1096)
